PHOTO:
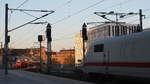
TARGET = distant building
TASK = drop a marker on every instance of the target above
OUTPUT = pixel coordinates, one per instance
(102, 31)
(78, 48)
(111, 30)
(27, 54)
(64, 57)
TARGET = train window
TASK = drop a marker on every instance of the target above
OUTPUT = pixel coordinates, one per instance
(99, 48)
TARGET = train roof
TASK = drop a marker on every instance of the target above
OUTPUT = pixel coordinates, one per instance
(134, 35)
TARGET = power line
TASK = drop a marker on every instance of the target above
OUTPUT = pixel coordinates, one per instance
(138, 20)
(127, 1)
(33, 34)
(54, 9)
(12, 12)
(31, 21)
(17, 8)
(69, 16)
(22, 4)
(64, 4)
(115, 5)
(27, 36)
(29, 14)
(124, 2)
(146, 10)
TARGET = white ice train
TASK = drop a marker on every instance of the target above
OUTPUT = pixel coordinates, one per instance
(127, 55)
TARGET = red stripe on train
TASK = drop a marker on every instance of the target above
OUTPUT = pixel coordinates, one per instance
(119, 64)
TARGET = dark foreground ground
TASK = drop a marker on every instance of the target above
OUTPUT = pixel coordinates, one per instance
(24, 77)
(97, 79)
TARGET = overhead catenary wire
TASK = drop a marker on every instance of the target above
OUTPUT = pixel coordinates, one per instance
(115, 5)
(54, 8)
(146, 10)
(13, 11)
(64, 4)
(30, 21)
(29, 14)
(17, 8)
(127, 1)
(76, 12)
(138, 20)
(22, 3)
(84, 9)
(36, 18)
(69, 16)
(118, 4)
(25, 1)
(27, 36)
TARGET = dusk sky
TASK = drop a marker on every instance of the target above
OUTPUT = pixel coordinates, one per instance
(66, 21)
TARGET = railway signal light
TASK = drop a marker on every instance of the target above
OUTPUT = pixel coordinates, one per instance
(40, 38)
(48, 32)
(8, 39)
(84, 32)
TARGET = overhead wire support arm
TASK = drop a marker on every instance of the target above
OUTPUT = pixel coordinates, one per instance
(30, 21)
(121, 15)
(29, 14)
(7, 31)
(89, 23)
(32, 10)
(103, 16)
(40, 22)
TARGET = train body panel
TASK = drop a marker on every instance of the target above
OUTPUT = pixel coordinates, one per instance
(127, 55)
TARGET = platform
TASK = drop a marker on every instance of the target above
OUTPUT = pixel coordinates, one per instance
(24, 77)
